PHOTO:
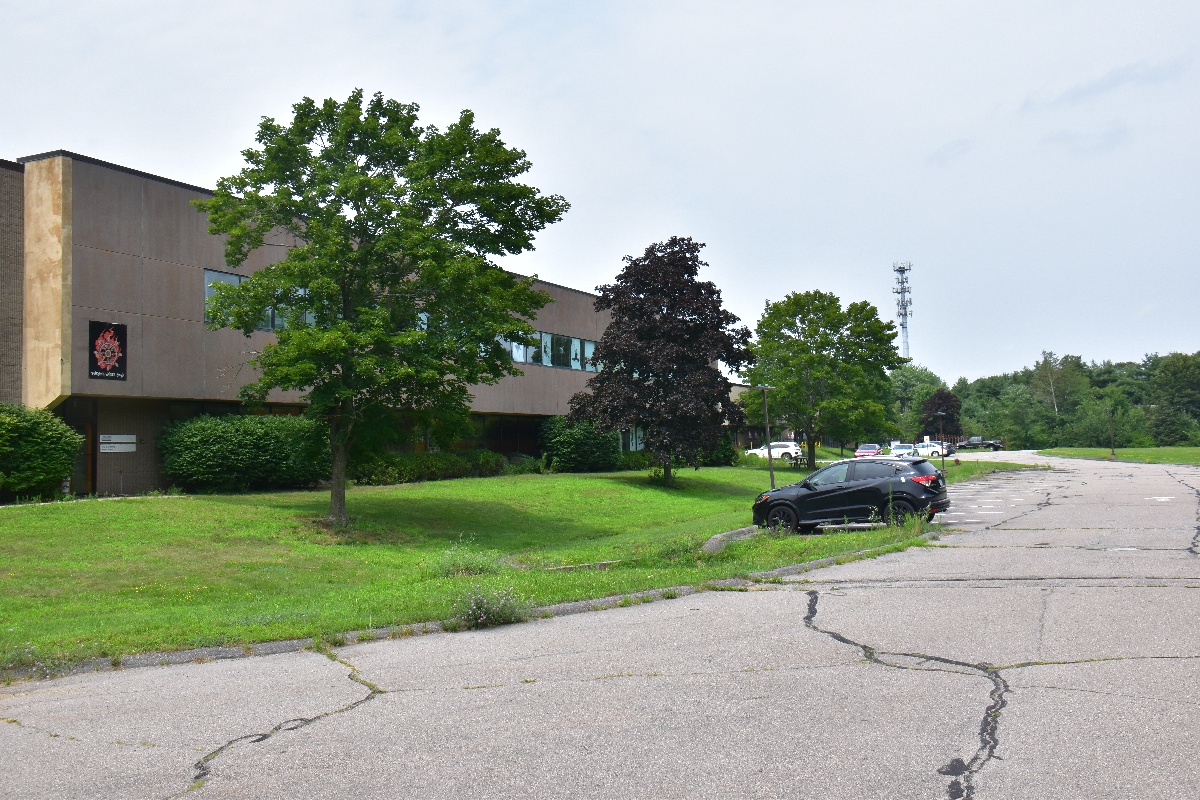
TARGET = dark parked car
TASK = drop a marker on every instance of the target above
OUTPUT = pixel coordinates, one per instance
(858, 490)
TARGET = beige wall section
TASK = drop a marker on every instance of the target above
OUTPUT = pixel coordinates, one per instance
(140, 251)
(46, 351)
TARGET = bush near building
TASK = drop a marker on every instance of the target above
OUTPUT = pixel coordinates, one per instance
(235, 452)
(37, 452)
(385, 469)
(579, 446)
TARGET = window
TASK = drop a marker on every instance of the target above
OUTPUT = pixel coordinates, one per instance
(870, 470)
(212, 276)
(556, 350)
(835, 473)
(560, 350)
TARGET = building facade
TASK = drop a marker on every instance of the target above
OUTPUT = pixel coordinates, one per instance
(104, 272)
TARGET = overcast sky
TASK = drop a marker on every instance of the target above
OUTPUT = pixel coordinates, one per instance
(1037, 162)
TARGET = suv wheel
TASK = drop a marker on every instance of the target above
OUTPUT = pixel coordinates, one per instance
(898, 513)
(782, 517)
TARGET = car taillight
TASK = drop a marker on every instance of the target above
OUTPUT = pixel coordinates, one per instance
(924, 479)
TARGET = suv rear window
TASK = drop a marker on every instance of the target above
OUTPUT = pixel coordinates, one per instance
(867, 470)
(923, 468)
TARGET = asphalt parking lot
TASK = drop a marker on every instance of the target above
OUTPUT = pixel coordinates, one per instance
(1047, 649)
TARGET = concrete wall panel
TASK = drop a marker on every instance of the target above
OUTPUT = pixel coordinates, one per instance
(172, 363)
(541, 390)
(174, 291)
(177, 231)
(571, 313)
(109, 209)
(104, 279)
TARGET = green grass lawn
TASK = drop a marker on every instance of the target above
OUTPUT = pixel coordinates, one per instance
(104, 578)
(1144, 455)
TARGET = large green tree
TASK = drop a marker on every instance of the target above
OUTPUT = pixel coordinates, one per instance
(659, 356)
(828, 364)
(384, 297)
(911, 386)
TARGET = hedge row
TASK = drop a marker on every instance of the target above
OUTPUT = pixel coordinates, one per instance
(236, 452)
(383, 469)
(37, 452)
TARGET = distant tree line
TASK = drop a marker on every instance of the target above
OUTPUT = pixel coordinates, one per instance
(1061, 401)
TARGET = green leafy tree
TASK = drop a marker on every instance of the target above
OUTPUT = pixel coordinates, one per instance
(1175, 383)
(386, 293)
(659, 356)
(829, 365)
(911, 386)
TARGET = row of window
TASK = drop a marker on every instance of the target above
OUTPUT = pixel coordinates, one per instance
(555, 350)
(550, 349)
(271, 321)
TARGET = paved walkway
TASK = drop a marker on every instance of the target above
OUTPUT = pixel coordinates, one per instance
(1050, 650)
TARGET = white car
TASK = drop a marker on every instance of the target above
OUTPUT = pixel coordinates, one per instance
(789, 450)
(902, 450)
(928, 449)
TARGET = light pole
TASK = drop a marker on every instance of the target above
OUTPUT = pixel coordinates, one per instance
(1112, 431)
(941, 415)
(767, 428)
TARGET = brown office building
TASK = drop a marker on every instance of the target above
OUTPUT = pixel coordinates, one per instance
(103, 276)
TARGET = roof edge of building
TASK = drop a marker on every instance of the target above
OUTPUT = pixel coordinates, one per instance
(109, 165)
(13, 165)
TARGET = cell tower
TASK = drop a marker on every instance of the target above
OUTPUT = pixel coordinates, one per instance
(903, 302)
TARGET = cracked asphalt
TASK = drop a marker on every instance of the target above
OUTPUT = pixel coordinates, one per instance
(1048, 648)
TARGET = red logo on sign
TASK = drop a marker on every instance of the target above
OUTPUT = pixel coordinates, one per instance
(108, 350)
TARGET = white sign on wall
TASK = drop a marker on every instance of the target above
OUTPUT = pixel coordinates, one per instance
(118, 443)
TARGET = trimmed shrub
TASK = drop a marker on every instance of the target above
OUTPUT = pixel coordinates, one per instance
(521, 464)
(37, 452)
(723, 455)
(579, 447)
(384, 469)
(635, 459)
(234, 452)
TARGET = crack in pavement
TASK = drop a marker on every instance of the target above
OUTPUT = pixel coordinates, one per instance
(203, 767)
(963, 772)
(1194, 548)
(962, 785)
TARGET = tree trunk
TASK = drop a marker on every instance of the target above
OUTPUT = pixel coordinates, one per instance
(667, 478)
(339, 445)
(812, 452)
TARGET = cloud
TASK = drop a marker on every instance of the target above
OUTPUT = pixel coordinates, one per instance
(1089, 141)
(949, 152)
(1138, 74)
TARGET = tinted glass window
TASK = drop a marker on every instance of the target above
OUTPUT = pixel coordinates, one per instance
(870, 470)
(589, 351)
(832, 474)
(923, 468)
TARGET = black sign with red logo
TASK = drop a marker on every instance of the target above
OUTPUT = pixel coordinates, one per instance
(108, 344)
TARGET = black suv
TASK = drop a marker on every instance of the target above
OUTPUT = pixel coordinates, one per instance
(856, 490)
